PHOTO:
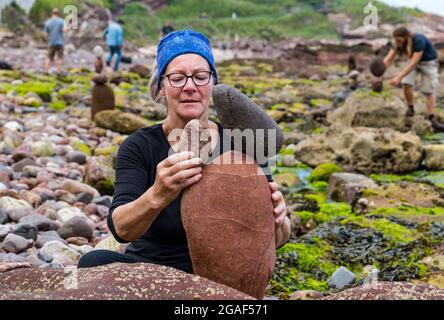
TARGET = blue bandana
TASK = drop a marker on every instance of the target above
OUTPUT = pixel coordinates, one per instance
(181, 42)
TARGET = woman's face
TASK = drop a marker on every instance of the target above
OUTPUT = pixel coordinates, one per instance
(400, 41)
(190, 101)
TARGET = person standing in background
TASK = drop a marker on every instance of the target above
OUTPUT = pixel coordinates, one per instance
(54, 27)
(114, 40)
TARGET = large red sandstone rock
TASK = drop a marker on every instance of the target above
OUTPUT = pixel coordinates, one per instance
(390, 291)
(229, 222)
(111, 282)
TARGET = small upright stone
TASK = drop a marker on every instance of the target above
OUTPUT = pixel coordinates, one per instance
(196, 138)
(341, 278)
(102, 95)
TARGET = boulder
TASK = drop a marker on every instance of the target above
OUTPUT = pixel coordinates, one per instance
(118, 121)
(343, 187)
(371, 109)
(230, 229)
(434, 156)
(237, 111)
(390, 291)
(110, 282)
(366, 150)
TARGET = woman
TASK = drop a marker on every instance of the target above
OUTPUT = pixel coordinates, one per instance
(149, 183)
(424, 60)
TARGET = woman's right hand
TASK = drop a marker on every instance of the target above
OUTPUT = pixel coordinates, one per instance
(173, 174)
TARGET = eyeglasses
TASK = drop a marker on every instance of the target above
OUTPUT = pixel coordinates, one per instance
(179, 80)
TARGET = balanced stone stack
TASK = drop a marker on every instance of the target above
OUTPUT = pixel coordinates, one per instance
(229, 222)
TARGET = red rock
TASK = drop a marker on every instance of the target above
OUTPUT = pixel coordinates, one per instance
(110, 282)
(7, 266)
(228, 219)
(390, 291)
(78, 241)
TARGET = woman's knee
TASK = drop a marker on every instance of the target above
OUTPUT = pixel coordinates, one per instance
(93, 259)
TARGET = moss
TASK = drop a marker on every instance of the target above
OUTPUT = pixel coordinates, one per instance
(83, 147)
(106, 186)
(57, 105)
(320, 102)
(320, 186)
(324, 171)
(390, 178)
(105, 151)
(391, 230)
(44, 90)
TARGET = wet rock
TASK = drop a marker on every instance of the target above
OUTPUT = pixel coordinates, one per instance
(366, 109)
(366, 150)
(344, 187)
(60, 253)
(76, 156)
(216, 250)
(434, 157)
(121, 122)
(100, 283)
(75, 187)
(237, 111)
(14, 243)
(287, 179)
(341, 278)
(25, 230)
(75, 227)
(42, 223)
(4, 218)
(390, 291)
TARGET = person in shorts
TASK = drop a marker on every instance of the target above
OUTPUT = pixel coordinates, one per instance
(54, 27)
(423, 60)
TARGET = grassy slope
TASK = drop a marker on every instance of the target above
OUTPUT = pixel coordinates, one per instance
(266, 19)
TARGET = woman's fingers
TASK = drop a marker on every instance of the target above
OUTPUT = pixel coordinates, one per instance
(182, 175)
(176, 158)
(184, 165)
(192, 180)
(273, 186)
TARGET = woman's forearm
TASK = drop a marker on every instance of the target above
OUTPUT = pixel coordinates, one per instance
(131, 220)
(282, 232)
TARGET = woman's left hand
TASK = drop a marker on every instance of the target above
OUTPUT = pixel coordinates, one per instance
(280, 208)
